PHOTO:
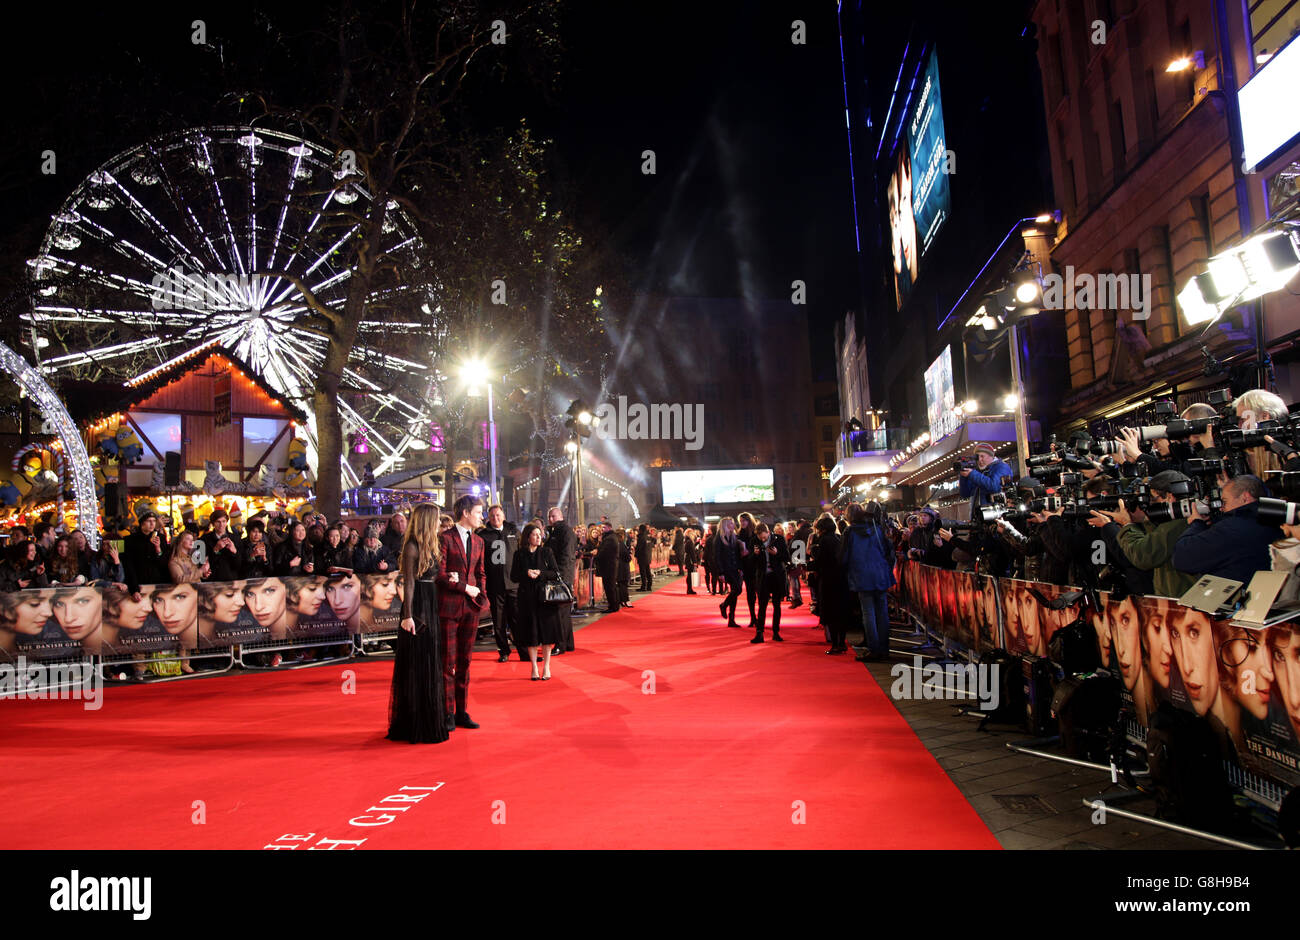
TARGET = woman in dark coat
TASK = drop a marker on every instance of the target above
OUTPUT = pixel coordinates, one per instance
(538, 623)
(727, 557)
(624, 568)
(644, 553)
(833, 599)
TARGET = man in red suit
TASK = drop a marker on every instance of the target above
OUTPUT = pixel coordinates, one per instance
(461, 594)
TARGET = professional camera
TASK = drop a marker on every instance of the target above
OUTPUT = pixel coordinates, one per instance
(1274, 512)
(965, 463)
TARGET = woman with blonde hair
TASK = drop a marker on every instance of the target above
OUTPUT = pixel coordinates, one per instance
(416, 706)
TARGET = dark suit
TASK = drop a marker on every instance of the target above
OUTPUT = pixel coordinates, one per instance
(607, 568)
(499, 552)
(458, 613)
(771, 570)
(564, 546)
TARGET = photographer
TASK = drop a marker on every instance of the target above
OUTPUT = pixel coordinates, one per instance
(1166, 454)
(984, 479)
(1236, 545)
(1149, 546)
(1255, 406)
(933, 544)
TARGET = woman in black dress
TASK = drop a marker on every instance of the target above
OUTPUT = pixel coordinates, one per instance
(416, 706)
(538, 623)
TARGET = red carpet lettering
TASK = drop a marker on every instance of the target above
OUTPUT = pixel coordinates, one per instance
(388, 810)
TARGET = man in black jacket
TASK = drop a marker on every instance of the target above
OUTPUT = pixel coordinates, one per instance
(256, 558)
(607, 568)
(1235, 546)
(644, 554)
(773, 557)
(564, 546)
(498, 554)
(224, 548)
(145, 556)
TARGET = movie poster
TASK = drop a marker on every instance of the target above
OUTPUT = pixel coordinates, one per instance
(381, 602)
(51, 623)
(960, 627)
(309, 606)
(988, 627)
(225, 618)
(165, 619)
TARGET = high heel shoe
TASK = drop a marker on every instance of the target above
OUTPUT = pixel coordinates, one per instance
(546, 677)
(535, 678)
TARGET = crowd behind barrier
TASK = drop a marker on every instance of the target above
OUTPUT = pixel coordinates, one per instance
(1243, 682)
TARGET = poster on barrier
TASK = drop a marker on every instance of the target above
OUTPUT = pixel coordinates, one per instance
(381, 602)
(309, 606)
(165, 619)
(988, 626)
(1028, 623)
(51, 623)
(962, 628)
(225, 617)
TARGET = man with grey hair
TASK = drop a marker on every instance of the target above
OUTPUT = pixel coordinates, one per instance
(1252, 407)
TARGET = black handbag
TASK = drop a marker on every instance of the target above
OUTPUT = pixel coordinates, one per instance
(556, 592)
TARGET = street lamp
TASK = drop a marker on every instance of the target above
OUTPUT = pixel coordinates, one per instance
(475, 373)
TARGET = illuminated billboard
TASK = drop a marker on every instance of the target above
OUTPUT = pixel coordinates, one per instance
(931, 199)
(742, 485)
(1269, 117)
(918, 194)
(940, 398)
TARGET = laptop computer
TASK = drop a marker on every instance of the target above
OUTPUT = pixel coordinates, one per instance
(1212, 595)
(1260, 609)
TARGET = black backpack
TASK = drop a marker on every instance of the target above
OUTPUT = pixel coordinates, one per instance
(1087, 712)
(1075, 649)
(1186, 765)
(1011, 688)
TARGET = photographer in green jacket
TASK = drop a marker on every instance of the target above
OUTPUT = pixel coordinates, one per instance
(1150, 546)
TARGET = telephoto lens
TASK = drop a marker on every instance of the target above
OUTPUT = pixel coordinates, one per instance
(1277, 512)
(1163, 512)
(1152, 433)
(1105, 447)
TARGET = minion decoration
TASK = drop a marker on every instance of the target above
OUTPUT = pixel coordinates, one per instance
(305, 511)
(296, 474)
(129, 448)
(106, 441)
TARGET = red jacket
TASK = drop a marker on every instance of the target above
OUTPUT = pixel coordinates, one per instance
(453, 602)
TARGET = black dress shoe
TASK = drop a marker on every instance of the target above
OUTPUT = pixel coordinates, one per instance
(451, 722)
(464, 721)
(757, 639)
(503, 657)
(778, 637)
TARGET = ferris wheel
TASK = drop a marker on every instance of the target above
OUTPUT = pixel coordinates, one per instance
(183, 243)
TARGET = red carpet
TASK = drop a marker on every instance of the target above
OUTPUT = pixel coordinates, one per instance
(738, 742)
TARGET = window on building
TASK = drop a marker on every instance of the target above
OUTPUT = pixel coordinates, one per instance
(803, 492)
(828, 459)
(1272, 24)
(828, 433)
(1201, 212)
(1164, 244)
(163, 431)
(1133, 273)
(749, 421)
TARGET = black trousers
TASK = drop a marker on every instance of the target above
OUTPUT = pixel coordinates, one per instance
(751, 591)
(647, 578)
(733, 594)
(503, 615)
(770, 588)
(623, 594)
(613, 594)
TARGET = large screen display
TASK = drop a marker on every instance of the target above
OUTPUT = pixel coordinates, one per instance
(743, 485)
(940, 398)
(918, 194)
(1269, 117)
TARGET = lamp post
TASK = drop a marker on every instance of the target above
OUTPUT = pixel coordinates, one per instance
(475, 372)
(574, 449)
